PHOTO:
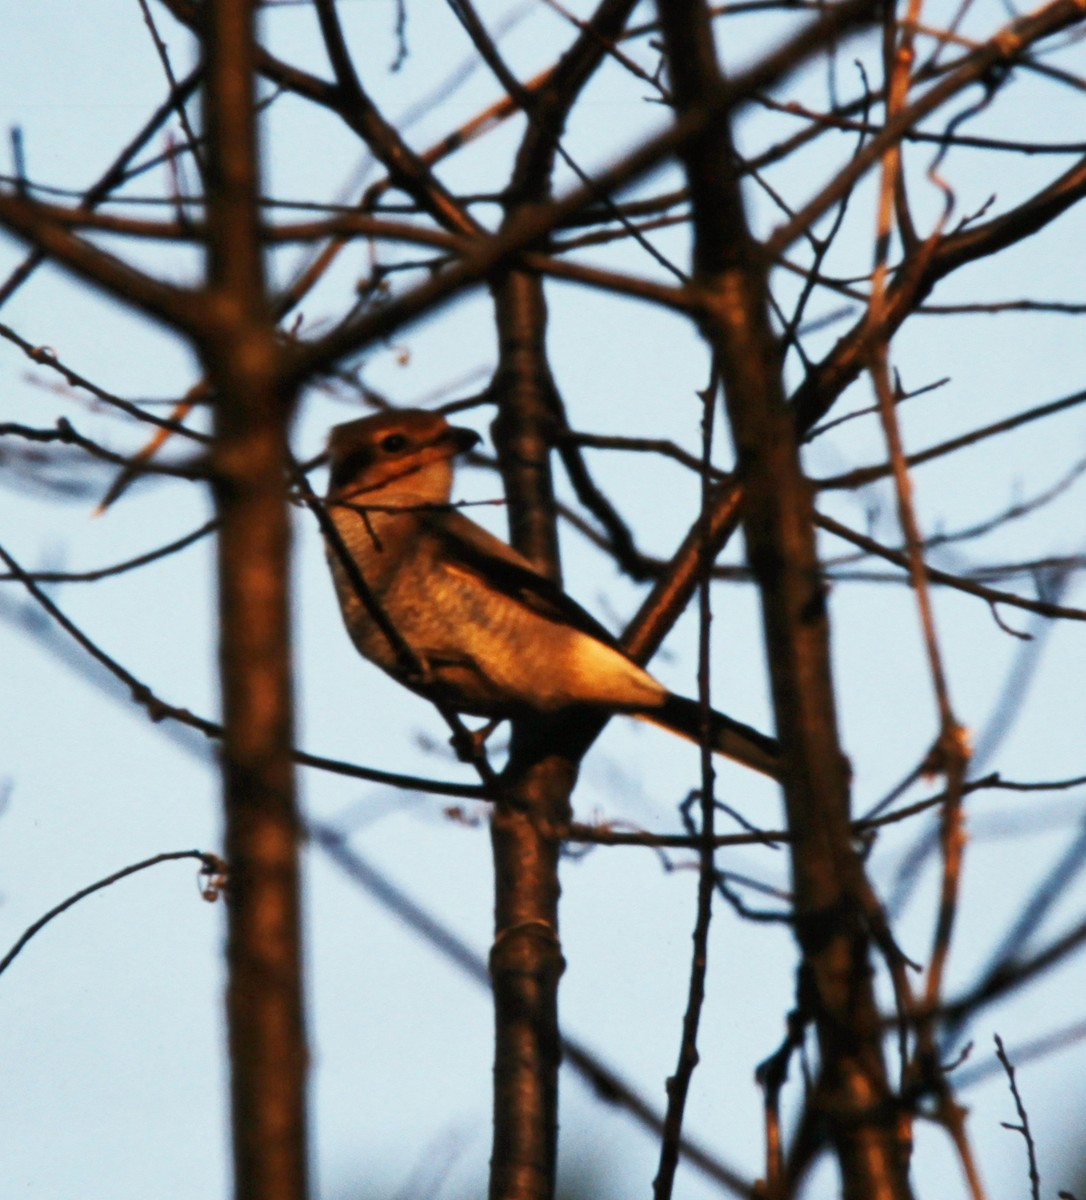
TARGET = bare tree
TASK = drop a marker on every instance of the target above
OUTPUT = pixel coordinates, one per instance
(796, 204)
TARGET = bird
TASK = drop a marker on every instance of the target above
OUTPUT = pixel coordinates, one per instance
(476, 627)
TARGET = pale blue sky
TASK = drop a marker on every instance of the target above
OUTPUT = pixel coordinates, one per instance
(111, 1050)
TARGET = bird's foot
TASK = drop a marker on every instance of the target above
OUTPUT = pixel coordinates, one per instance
(469, 744)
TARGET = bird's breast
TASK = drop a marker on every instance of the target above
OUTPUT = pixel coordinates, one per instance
(482, 648)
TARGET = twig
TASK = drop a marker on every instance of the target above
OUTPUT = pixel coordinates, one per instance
(159, 710)
(45, 356)
(678, 1085)
(179, 103)
(1023, 1118)
(959, 582)
(130, 564)
(214, 869)
(864, 475)
(68, 435)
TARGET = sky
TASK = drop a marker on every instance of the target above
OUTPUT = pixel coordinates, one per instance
(112, 1042)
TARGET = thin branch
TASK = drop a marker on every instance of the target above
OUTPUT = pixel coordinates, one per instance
(111, 178)
(1023, 1117)
(45, 356)
(496, 252)
(678, 1084)
(130, 564)
(861, 476)
(213, 868)
(1008, 45)
(178, 102)
(355, 106)
(159, 710)
(958, 582)
(32, 222)
(65, 433)
(916, 278)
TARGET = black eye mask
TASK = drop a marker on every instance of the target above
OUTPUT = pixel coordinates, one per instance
(350, 467)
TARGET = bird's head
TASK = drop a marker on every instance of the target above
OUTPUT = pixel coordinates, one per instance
(410, 450)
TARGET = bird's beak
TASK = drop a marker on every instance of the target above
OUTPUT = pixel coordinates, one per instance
(462, 439)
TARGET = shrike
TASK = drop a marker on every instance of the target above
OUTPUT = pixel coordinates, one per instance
(492, 637)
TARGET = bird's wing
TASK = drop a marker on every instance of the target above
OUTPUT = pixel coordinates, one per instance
(470, 547)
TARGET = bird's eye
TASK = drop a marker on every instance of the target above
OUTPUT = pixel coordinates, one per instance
(394, 443)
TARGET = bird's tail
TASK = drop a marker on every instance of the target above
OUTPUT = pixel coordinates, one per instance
(727, 736)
